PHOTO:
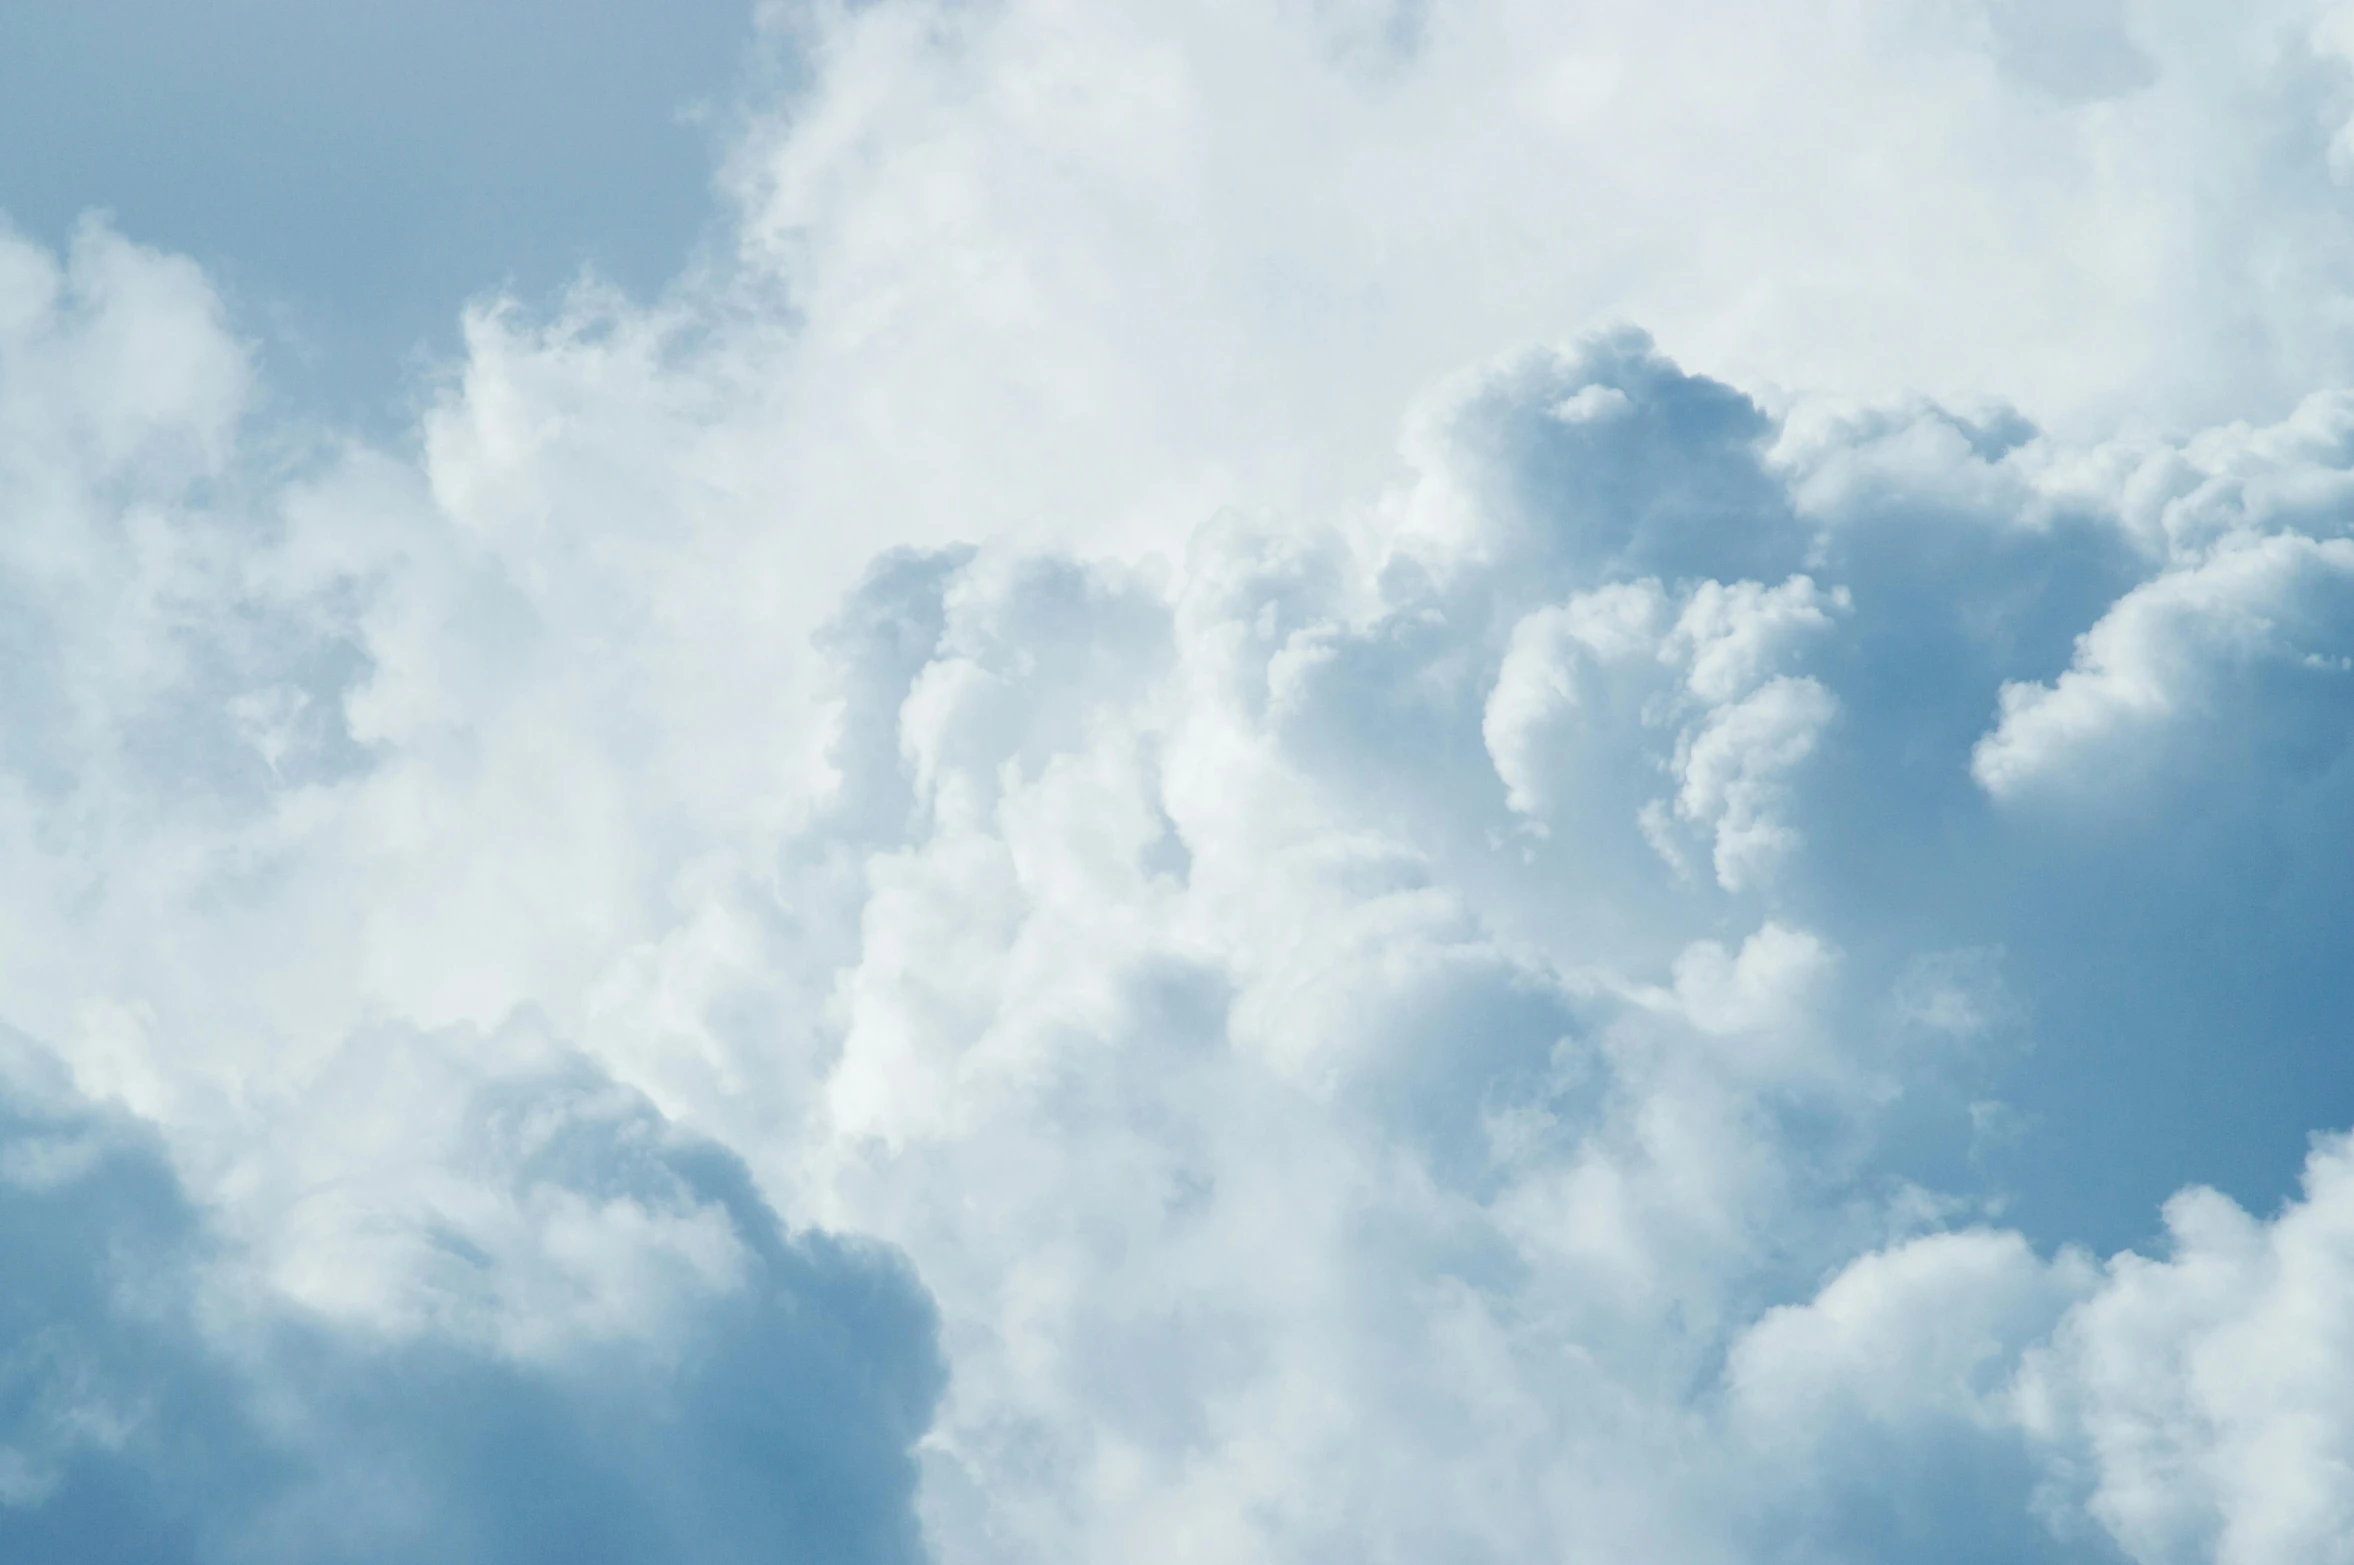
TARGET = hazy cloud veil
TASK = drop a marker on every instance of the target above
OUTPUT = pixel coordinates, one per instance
(1131, 841)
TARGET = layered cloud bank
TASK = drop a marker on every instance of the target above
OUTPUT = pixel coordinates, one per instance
(1070, 864)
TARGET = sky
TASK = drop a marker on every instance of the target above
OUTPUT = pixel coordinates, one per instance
(351, 173)
(1349, 780)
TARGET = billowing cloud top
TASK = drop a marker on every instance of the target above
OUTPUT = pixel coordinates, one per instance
(1127, 847)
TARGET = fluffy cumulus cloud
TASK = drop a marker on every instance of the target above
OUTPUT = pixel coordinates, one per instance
(2202, 1397)
(1129, 842)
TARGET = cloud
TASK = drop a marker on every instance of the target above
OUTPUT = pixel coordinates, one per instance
(1550, 1151)
(1162, 961)
(2198, 1399)
(1065, 863)
(589, 1340)
(1744, 730)
(2178, 649)
(1881, 1410)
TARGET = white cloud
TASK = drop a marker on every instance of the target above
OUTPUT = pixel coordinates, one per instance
(1736, 731)
(2199, 1400)
(1387, 986)
(2177, 651)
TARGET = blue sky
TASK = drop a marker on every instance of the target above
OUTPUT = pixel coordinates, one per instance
(352, 172)
(1482, 781)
